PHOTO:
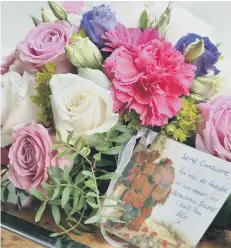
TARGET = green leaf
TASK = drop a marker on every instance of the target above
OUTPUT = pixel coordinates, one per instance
(81, 202)
(69, 136)
(92, 194)
(90, 184)
(53, 235)
(122, 138)
(56, 202)
(87, 173)
(40, 212)
(48, 188)
(72, 156)
(124, 129)
(5, 194)
(35, 20)
(91, 203)
(66, 195)
(112, 198)
(66, 175)
(103, 147)
(104, 162)
(79, 177)
(56, 193)
(99, 137)
(93, 219)
(143, 20)
(79, 140)
(59, 134)
(112, 133)
(56, 214)
(76, 202)
(67, 209)
(63, 154)
(97, 156)
(56, 147)
(114, 150)
(86, 151)
(114, 219)
(38, 194)
(108, 176)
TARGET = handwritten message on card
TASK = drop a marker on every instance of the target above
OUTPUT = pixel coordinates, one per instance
(202, 184)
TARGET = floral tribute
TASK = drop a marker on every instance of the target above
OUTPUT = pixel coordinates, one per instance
(80, 85)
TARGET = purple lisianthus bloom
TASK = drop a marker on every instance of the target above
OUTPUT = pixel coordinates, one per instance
(96, 22)
(207, 60)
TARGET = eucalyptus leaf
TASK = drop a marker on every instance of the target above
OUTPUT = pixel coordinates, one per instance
(114, 150)
(93, 219)
(56, 214)
(69, 136)
(38, 194)
(48, 188)
(143, 21)
(40, 212)
(108, 176)
(103, 147)
(66, 195)
(56, 193)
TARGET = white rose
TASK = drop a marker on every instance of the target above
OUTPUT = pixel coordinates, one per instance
(16, 105)
(82, 106)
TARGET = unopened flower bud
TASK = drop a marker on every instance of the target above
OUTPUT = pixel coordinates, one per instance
(47, 15)
(83, 53)
(58, 11)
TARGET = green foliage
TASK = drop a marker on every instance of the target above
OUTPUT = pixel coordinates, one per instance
(143, 21)
(185, 123)
(43, 92)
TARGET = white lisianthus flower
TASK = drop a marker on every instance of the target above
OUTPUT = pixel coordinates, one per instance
(80, 105)
(16, 105)
(48, 16)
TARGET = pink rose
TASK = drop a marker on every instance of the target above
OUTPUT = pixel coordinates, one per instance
(31, 156)
(214, 129)
(45, 44)
(72, 7)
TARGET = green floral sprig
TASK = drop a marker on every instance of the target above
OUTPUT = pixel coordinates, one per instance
(43, 92)
(185, 122)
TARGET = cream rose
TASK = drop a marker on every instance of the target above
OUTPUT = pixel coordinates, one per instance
(80, 105)
(16, 105)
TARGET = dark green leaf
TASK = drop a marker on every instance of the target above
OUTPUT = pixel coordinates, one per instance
(108, 176)
(38, 194)
(104, 162)
(103, 147)
(5, 194)
(93, 219)
(69, 136)
(143, 20)
(56, 214)
(19, 202)
(56, 193)
(48, 188)
(99, 137)
(97, 156)
(122, 138)
(87, 173)
(40, 212)
(66, 195)
(114, 150)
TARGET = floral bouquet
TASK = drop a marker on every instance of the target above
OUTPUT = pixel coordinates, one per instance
(83, 82)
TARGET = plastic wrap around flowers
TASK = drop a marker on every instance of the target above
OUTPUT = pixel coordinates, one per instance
(82, 84)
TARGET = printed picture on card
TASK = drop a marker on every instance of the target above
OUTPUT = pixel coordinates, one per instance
(170, 193)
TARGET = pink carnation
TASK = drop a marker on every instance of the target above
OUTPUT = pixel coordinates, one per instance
(31, 156)
(128, 37)
(214, 128)
(149, 78)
